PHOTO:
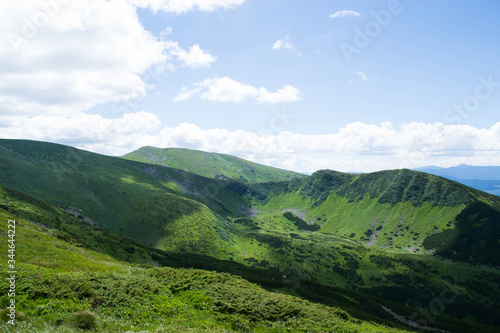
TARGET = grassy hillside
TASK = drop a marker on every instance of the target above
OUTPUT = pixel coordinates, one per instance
(399, 236)
(212, 165)
(123, 196)
(60, 244)
(61, 282)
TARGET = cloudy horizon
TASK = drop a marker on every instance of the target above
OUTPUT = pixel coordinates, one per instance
(353, 86)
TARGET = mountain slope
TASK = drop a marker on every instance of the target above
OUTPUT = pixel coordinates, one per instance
(396, 210)
(70, 278)
(123, 196)
(61, 280)
(374, 233)
(212, 165)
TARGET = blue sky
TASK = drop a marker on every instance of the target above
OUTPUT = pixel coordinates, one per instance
(303, 85)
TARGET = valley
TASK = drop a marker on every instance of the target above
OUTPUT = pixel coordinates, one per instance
(374, 245)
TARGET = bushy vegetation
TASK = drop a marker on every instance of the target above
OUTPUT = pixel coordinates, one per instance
(84, 320)
(165, 299)
(300, 223)
(475, 239)
(388, 187)
(371, 243)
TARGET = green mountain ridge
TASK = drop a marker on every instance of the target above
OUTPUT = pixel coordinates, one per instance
(211, 165)
(70, 278)
(60, 276)
(372, 233)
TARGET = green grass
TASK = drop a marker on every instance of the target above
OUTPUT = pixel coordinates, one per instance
(160, 300)
(349, 241)
(69, 282)
(212, 165)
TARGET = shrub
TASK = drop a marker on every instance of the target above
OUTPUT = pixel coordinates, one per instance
(84, 320)
(5, 312)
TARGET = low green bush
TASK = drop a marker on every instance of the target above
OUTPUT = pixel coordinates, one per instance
(84, 320)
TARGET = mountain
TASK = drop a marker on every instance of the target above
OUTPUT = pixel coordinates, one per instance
(68, 281)
(484, 178)
(70, 259)
(464, 171)
(212, 165)
(399, 238)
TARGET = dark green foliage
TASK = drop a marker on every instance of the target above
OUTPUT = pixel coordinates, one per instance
(405, 185)
(248, 223)
(237, 187)
(321, 183)
(256, 306)
(300, 223)
(116, 289)
(399, 279)
(59, 286)
(84, 320)
(382, 261)
(4, 312)
(65, 237)
(144, 297)
(273, 241)
(474, 239)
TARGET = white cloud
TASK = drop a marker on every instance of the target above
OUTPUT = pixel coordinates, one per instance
(354, 147)
(58, 60)
(63, 57)
(227, 90)
(286, 94)
(283, 44)
(186, 94)
(193, 58)
(343, 13)
(108, 136)
(182, 6)
(365, 77)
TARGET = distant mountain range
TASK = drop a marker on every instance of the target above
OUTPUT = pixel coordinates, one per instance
(484, 178)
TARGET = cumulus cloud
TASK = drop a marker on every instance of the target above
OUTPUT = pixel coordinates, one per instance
(344, 13)
(194, 58)
(103, 135)
(186, 94)
(182, 6)
(283, 44)
(63, 57)
(67, 64)
(287, 94)
(354, 147)
(227, 90)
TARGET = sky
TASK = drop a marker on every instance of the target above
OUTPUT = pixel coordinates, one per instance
(348, 85)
